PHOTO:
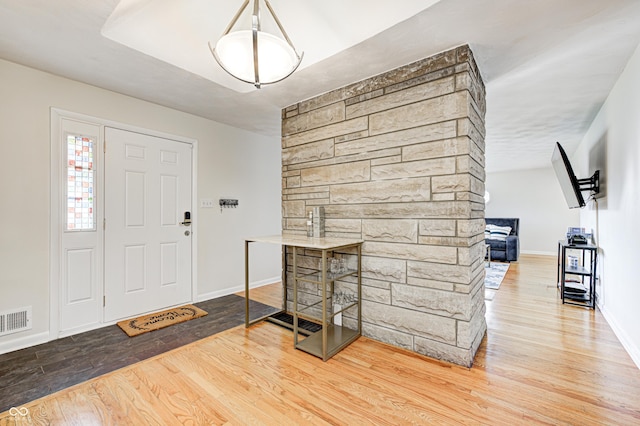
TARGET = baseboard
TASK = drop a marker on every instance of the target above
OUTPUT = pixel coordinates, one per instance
(629, 346)
(24, 342)
(236, 289)
(539, 253)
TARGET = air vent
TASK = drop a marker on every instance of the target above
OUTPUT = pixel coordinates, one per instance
(15, 321)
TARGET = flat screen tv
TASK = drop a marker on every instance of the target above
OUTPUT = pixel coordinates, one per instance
(568, 181)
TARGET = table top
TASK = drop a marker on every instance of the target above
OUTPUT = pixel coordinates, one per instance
(566, 244)
(324, 243)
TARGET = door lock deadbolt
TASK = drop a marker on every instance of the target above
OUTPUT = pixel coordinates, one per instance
(187, 219)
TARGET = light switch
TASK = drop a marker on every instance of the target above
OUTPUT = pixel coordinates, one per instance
(206, 203)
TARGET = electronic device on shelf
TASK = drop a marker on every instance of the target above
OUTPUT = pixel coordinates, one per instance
(576, 288)
(578, 239)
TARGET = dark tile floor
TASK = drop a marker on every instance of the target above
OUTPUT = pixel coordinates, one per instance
(37, 371)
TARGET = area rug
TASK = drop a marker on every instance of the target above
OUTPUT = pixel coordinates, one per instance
(489, 294)
(162, 319)
(494, 274)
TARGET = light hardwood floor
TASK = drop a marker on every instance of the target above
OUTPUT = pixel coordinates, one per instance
(540, 363)
(269, 295)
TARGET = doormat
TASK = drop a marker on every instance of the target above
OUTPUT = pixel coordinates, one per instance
(285, 320)
(162, 319)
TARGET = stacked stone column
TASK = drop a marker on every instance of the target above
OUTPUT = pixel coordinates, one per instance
(398, 160)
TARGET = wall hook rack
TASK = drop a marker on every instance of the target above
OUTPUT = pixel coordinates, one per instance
(228, 203)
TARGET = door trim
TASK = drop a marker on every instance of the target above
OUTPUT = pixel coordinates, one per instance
(56, 220)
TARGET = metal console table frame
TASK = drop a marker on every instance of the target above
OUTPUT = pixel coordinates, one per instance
(332, 338)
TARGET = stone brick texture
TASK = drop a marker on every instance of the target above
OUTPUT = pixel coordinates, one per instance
(397, 160)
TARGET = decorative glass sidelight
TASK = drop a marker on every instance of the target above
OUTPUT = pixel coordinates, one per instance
(80, 183)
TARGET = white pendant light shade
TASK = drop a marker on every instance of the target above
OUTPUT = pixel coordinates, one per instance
(255, 56)
(276, 58)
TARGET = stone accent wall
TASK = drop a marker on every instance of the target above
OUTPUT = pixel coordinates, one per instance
(398, 160)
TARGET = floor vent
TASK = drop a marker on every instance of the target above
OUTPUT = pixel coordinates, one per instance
(15, 321)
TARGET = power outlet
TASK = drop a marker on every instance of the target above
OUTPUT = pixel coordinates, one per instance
(206, 203)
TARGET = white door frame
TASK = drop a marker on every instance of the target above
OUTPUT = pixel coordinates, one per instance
(57, 191)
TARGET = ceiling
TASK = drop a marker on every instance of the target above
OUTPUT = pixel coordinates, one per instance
(548, 65)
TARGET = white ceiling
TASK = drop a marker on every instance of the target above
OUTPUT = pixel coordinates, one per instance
(548, 65)
(142, 25)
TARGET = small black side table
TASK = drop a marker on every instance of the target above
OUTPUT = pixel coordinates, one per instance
(580, 291)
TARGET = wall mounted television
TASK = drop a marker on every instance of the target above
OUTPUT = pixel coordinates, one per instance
(572, 187)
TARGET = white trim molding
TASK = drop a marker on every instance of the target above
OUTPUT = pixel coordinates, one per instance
(56, 219)
(238, 288)
(627, 343)
(23, 342)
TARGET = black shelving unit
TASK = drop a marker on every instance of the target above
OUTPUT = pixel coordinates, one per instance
(577, 283)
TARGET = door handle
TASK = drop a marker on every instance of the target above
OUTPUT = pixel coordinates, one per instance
(187, 219)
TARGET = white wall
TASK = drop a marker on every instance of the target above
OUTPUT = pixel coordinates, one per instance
(232, 163)
(536, 198)
(612, 145)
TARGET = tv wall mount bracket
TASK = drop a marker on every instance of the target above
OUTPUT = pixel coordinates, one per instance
(591, 183)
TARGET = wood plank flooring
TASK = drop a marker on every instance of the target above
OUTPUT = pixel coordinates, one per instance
(270, 295)
(43, 369)
(540, 363)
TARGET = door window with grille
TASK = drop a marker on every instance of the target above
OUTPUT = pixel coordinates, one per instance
(80, 183)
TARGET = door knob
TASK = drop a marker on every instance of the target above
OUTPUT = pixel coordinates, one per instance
(187, 233)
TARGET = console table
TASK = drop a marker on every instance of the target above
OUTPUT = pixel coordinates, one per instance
(582, 292)
(332, 337)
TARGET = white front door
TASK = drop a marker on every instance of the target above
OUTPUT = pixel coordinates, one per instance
(147, 245)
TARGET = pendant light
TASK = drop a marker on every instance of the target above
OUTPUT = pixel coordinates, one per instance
(253, 55)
